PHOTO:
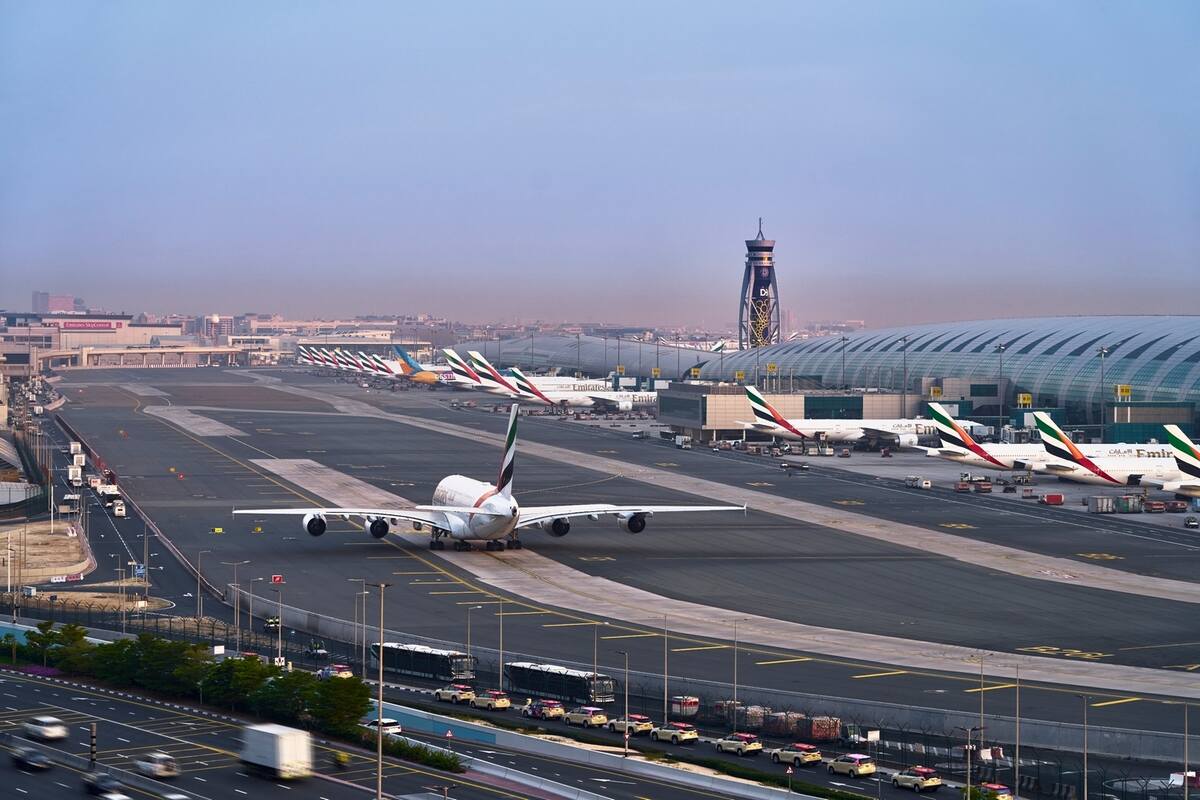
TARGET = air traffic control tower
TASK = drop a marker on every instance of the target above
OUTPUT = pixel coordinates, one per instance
(758, 305)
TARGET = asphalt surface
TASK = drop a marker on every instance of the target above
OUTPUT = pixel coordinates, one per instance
(759, 563)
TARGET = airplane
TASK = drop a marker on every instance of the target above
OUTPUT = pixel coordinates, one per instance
(465, 509)
(1152, 463)
(569, 398)
(417, 372)
(960, 447)
(902, 432)
(1187, 459)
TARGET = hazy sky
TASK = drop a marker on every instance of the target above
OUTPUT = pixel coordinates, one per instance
(914, 160)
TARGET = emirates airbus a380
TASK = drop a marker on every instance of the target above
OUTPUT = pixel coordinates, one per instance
(466, 510)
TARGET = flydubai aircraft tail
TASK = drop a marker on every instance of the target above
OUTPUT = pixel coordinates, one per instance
(406, 359)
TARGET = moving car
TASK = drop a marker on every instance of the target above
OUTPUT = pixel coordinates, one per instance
(855, 765)
(101, 783)
(744, 744)
(998, 791)
(633, 725)
(797, 754)
(919, 779)
(587, 716)
(1191, 522)
(45, 728)
(455, 693)
(316, 651)
(543, 709)
(29, 758)
(675, 733)
(157, 765)
(492, 700)
(387, 725)
(335, 671)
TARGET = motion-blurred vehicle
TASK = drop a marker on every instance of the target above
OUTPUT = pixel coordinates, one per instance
(45, 728)
(157, 765)
(31, 759)
(101, 783)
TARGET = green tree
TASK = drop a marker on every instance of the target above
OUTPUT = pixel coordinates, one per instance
(234, 680)
(288, 698)
(74, 651)
(9, 644)
(116, 662)
(38, 643)
(340, 704)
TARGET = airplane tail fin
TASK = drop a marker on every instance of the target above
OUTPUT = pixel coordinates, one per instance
(405, 358)
(527, 387)
(1187, 456)
(951, 433)
(1057, 443)
(507, 465)
(765, 413)
(462, 371)
(489, 373)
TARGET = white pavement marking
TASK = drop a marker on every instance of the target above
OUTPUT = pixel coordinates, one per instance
(336, 487)
(191, 422)
(142, 390)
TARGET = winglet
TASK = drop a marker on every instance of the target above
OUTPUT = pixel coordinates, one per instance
(507, 466)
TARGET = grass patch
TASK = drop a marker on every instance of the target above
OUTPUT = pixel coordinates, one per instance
(417, 753)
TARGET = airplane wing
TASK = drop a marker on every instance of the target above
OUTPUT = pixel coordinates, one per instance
(1059, 469)
(532, 515)
(426, 515)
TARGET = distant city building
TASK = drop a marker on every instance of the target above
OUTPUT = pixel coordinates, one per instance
(212, 326)
(758, 304)
(46, 303)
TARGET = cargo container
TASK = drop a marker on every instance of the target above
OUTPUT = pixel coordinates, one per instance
(76, 447)
(1052, 499)
(1177, 506)
(962, 486)
(1102, 504)
(983, 487)
(79, 460)
(281, 751)
(1029, 493)
(819, 729)
(1154, 506)
(75, 475)
(685, 706)
(1129, 504)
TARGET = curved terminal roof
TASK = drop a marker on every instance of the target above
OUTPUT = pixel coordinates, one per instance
(1056, 359)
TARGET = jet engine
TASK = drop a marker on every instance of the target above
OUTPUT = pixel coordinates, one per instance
(632, 523)
(907, 439)
(379, 528)
(559, 527)
(314, 524)
(624, 405)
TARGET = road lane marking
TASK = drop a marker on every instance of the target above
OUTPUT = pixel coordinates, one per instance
(783, 661)
(528, 614)
(1156, 646)
(566, 624)
(881, 674)
(1116, 702)
(701, 647)
(631, 636)
(990, 688)
(464, 591)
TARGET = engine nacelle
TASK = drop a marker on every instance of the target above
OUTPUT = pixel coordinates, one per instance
(379, 528)
(907, 439)
(632, 523)
(314, 524)
(624, 405)
(557, 527)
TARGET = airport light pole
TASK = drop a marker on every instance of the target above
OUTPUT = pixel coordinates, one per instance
(379, 700)
(904, 378)
(237, 603)
(501, 647)
(251, 599)
(1000, 348)
(358, 597)
(666, 711)
(970, 732)
(278, 590)
(1086, 698)
(625, 653)
(843, 384)
(595, 655)
(1102, 352)
(469, 610)
(735, 671)
(199, 593)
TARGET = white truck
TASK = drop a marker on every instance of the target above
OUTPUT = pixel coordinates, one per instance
(157, 765)
(683, 442)
(76, 447)
(283, 752)
(118, 508)
(75, 475)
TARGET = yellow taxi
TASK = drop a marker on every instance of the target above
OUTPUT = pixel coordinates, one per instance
(856, 765)
(996, 791)
(633, 724)
(455, 693)
(491, 700)
(587, 716)
(744, 744)
(675, 733)
(797, 754)
(919, 779)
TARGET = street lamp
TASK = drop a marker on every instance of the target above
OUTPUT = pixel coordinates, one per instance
(251, 599)
(501, 647)
(666, 649)
(278, 590)
(1000, 348)
(1102, 352)
(735, 671)
(843, 384)
(469, 610)
(970, 732)
(199, 595)
(379, 700)
(625, 653)
(1087, 699)
(237, 603)
(358, 597)
(595, 655)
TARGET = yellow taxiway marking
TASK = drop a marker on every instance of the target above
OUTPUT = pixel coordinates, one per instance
(566, 624)
(881, 674)
(783, 661)
(631, 636)
(990, 688)
(414, 572)
(522, 613)
(1156, 646)
(420, 582)
(958, 526)
(701, 647)
(1116, 702)
(463, 591)
(850, 502)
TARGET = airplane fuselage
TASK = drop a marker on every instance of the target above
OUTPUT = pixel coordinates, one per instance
(464, 492)
(852, 430)
(1034, 456)
(1126, 471)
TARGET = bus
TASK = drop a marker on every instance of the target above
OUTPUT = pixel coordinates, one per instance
(425, 662)
(560, 683)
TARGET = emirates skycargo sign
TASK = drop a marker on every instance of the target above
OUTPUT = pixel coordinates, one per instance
(83, 325)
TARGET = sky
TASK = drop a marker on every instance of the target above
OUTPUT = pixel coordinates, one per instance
(915, 161)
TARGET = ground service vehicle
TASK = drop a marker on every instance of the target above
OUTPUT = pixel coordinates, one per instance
(855, 765)
(454, 693)
(560, 683)
(1191, 522)
(797, 754)
(45, 728)
(75, 475)
(1154, 507)
(743, 744)
(543, 709)
(632, 725)
(675, 733)
(683, 442)
(281, 751)
(587, 716)
(31, 759)
(492, 700)
(425, 662)
(919, 779)
(118, 509)
(157, 765)
(1177, 506)
(1052, 499)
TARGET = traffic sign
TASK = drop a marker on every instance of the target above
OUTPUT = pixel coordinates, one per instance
(695, 372)
(655, 372)
(739, 375)
(789, 770)
(771, 367)
(139, 570)
(620, 369)
(276, 579)
(449, 734)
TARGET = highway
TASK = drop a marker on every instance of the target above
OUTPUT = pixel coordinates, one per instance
(911, 593)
